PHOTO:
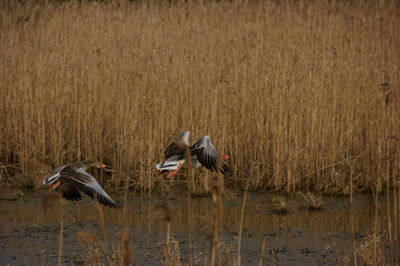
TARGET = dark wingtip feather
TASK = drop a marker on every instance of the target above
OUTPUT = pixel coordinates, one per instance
(118, 205)
(112, 204)
(105, 201)
(225, 169)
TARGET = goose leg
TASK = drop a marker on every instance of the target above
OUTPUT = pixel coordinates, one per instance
(56, 185)
(174, 172)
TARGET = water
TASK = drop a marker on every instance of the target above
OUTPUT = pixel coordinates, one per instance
(30, 235)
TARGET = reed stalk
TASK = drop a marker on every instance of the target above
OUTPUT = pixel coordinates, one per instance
(126, 217)
(241, 224)
(216, 216)
(61, 234)
(261, 261)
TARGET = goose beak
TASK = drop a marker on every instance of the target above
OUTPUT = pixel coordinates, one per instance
(227, 156)
(102, 165)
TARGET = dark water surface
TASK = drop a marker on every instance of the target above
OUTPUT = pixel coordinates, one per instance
(29, 235)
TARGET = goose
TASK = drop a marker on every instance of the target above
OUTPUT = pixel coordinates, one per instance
(201, 153)
(71, 179)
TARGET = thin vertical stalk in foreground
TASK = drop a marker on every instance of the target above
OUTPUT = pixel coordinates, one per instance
(216, 190)
(389, 219)
(188, 161)
(126, 259)
(351, 169)
(215, 224)
(189, 211)
(396, 201)
(61, 234)
(101, 224)
(376, 228)
(168, 240)
(238, 259)
(260, 263)
(127, 254)
(353, 234)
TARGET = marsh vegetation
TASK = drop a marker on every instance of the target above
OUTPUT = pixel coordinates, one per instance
(306, 92)
(303, 95)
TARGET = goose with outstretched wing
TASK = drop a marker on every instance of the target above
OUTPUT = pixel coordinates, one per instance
(201, 153)
(178, 145)
(72, 179)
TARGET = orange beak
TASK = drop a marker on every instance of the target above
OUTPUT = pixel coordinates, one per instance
(102, 165)
(227, 156)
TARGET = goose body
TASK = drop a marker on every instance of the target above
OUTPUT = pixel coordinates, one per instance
(201, 153)
(72, 179)
(175, 162)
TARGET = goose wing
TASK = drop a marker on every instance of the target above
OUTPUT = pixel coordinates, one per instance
(69, 192)
(79, 179)
(207, 155)
(178, 145)
(59, 169)
(225, 169)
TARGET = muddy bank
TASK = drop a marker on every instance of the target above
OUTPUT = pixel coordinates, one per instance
(30, 235)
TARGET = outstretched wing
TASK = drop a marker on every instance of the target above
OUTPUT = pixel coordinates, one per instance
(68, 192)
(178, 145)
(225, 169)
(79, 179)
(208, 156)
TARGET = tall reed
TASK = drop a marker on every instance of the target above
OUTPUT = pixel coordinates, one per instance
(241, 224)
(297, 87)
(126, 251)
(61, 234)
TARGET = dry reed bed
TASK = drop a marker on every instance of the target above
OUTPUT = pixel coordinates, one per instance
(291, 90)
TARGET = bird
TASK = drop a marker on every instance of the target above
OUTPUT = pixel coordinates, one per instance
(201, 153)
(71, 179)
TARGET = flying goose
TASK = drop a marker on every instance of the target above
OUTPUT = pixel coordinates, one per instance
(202, 153)
(71, 179)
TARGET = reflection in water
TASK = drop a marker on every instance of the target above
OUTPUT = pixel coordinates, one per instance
(302, 236)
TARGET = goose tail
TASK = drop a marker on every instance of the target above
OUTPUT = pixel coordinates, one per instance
(51, 179)
(167, 166)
